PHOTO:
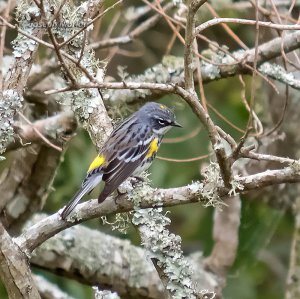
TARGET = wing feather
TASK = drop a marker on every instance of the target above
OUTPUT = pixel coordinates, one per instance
(126, 160)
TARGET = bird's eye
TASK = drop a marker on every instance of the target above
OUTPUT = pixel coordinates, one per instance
(161, 122)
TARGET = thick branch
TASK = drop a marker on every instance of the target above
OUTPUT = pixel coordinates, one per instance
(26, 183)
(14, 269)
(46, 228)
(225, 235)
(216, 141)
(107, 261)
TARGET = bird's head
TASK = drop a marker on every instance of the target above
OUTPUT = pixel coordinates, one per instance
(159, 116)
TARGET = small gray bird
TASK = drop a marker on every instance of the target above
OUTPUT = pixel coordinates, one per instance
(129, 150)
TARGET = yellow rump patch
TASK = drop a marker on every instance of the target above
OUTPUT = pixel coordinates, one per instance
(163, 107)
(98, 162)
(153, 148)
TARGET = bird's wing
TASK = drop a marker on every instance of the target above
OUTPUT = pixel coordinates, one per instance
(118, 140)
(117, 160)
(125, 159)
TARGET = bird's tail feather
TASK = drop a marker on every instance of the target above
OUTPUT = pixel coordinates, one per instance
(86, 187)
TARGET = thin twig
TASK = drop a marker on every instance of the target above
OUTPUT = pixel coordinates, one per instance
(224, 118)
(199, 77)
(214, 22)
(227, 28)
(252, 95)
(39, 133)
(184, 160)
(51, 46)
(186, 137)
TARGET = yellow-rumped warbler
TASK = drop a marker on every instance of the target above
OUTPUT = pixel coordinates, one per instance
(129, 150)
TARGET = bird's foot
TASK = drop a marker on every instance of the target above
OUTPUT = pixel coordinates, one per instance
(139, 178)
(136, 180)
(119, 195)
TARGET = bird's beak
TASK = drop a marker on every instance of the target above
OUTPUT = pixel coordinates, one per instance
(176, 124)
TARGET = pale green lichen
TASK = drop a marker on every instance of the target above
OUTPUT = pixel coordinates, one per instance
(122, 73)
(84, 101)
(196, 188)
(277, 72)
(135, 192)
(10, 104)
(177, 2)
(27, 15)
(236, 186)
(105, 294)
(295, 166)
(212, 181)
(212, 71)
(141, 191)
(165, 248)
(171, 70)
(161, 245)
(121, 223)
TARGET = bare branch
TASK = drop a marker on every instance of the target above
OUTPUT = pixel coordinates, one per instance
(188, 50)
(216, 21)
(225, 234)
(213, 133)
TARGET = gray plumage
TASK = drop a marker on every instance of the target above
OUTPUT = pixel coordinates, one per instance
(126, 151)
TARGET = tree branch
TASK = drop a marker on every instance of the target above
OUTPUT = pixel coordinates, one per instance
(196, 192)
(14, 269)
(108, 262)
(55, 128)
(172, 69)
(225, 235)
(216, 21)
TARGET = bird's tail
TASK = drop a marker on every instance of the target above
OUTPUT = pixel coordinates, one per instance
(87, 186)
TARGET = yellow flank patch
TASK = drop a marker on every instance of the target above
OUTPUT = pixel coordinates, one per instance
(98, 162)
(163, 107)
(153, 148)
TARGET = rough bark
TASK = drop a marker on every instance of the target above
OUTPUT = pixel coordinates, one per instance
(15, 272)
(95, 258)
